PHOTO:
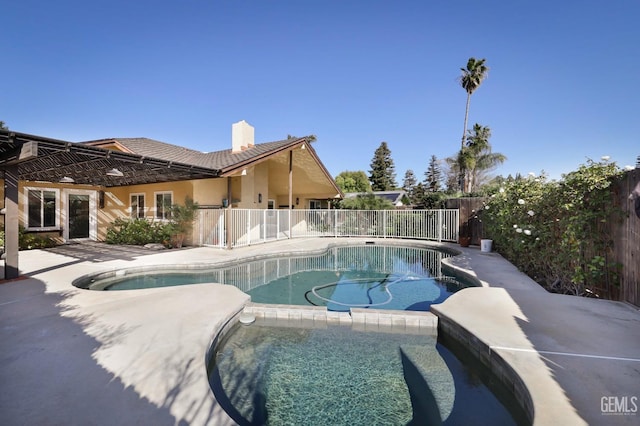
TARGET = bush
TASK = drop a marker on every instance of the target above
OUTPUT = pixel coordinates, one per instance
(559, 232)
(139, 232)
(29, 241)
(368, 201)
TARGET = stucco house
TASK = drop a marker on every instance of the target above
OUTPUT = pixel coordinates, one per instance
(75, 190)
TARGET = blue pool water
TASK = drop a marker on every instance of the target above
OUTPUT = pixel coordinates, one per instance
(266, 374)
(364, 276)
(342, 290)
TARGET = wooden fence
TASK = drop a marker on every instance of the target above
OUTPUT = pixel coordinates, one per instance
(470, 224)
(626, 237)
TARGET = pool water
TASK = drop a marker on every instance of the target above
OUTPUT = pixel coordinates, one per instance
(265, 374)
(364, 276)
(342, 290)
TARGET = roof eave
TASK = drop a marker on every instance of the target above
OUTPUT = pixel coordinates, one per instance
(234, 168)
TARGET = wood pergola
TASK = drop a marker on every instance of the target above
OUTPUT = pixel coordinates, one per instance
(25, 157)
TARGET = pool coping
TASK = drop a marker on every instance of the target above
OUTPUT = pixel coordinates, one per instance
(360, 319)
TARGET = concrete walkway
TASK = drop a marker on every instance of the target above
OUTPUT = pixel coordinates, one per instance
(576, 357)
(72, 356)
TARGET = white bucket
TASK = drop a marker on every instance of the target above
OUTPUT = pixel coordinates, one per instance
(485, 246)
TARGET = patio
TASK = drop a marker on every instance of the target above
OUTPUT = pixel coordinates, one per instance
(138, 357)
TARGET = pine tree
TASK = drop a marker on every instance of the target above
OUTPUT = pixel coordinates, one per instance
(409, 185)
(433, 175)
(417, 195)
(382, 174)
(409, 181)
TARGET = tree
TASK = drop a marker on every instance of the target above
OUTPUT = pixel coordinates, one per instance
(409, 181)
(3, 126)
(356, 181)
(310, 138)
(408, 186)
(417, 195)
(470, 80)
(433, 175)
(368, 201)
(451, 179)
(475, 158)
(424, 198)
(382, 174)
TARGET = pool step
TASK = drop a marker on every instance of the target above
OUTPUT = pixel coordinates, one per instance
(359, 319)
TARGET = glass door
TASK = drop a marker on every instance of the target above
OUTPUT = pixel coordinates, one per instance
(78, 216)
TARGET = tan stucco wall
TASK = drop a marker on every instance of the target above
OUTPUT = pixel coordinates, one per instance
(61, 215)
(261, 186)
(209, 192)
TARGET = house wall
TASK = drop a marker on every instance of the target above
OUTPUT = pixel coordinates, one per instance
(261, 186)
(61, 215)
(209, 192)
(117, 200)
(247, 190)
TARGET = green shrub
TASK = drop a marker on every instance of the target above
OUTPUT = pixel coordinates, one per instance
(139, 232)
(559, 232)
(29, 241)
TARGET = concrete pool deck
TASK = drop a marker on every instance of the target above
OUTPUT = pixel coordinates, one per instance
(72, 356)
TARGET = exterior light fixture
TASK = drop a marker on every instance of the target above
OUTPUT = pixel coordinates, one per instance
(259, 197)
(297, 201)
(115, 172)
(66, 179)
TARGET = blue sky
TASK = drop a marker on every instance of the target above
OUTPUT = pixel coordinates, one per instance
(562, 84)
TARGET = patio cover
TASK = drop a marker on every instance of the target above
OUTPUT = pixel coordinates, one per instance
(49, 160)
(35, 158)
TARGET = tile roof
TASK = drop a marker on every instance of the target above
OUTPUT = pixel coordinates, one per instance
(218, 160)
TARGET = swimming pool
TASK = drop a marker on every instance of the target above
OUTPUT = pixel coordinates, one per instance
(290, 374)
(364, 276)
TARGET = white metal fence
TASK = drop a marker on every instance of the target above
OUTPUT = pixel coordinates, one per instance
(243, 227)
(374, 258)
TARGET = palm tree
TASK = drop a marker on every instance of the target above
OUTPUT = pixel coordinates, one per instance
(471, 78)
(477, 156)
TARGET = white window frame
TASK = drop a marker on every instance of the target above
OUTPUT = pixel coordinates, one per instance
(165, 216)
(144, 202)
(41, 189)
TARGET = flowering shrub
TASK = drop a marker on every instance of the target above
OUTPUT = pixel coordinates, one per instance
(559, 233)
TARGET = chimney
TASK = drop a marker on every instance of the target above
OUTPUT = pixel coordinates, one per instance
(241, 136)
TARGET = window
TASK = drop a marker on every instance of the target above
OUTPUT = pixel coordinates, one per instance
(42, 207)
(164, 200)
(137, 206)
(318, 204)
